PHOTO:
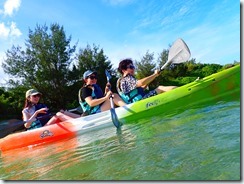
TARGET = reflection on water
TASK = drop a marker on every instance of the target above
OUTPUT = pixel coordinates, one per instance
(196, 144)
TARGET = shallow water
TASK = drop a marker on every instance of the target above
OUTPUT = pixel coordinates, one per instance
(196, 144)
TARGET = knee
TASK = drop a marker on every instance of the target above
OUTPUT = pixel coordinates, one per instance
(115, 95)
(160, 89)
(59, 114)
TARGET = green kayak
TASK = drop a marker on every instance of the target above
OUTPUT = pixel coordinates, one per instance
(221, 86)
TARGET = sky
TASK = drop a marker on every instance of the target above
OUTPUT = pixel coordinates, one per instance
(129, 28)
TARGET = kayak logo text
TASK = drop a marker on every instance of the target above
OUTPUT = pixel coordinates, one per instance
(151, 104)
(46, 133)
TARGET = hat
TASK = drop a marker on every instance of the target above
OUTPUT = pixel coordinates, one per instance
(88, 73)
(31, 92)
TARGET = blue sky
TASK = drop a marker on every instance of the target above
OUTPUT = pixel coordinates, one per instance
(130, 28)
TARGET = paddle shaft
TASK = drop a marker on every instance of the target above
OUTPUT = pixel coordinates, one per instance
(169, 61)
(112, 110)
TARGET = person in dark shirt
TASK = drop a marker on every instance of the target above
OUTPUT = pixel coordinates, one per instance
(91, 97)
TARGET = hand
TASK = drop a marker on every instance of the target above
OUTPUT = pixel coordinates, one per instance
(43, 110)
(108, 94)
(157, 72)
(108, 87)
(62, 111)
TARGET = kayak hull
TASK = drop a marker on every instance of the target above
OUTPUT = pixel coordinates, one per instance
(222, 86)
(55, 132)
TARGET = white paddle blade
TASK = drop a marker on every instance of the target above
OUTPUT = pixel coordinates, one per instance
(179, 52)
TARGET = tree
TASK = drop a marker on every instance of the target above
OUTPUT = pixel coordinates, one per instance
(210, 69)
(146, 66)
(44, 65)
(11, 103)
(163, 57)
(166, 73)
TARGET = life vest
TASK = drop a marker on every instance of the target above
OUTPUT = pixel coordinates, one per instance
(44, 118)
(132, 96)
(96, 93)
(35, 124)
(41, 119)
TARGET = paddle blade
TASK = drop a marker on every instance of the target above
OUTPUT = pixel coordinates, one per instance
(114, 117)
(179, 52)
(108, 75)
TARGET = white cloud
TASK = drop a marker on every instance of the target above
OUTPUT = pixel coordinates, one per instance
(9, 30)
(10, 6)
(4, 31)
(14, 31)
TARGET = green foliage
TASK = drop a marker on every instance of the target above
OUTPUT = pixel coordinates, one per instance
(11, 103)
(180, 81)
(163, 57)
(146, 66)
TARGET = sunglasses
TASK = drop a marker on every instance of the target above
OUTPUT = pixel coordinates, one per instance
(92, 77)
(131, 67)
(38, 95)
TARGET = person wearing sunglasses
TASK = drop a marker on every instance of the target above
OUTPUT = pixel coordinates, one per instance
(91, 97)
(36, 114)
(131, 89)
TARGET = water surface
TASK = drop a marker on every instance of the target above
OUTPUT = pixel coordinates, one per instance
(201, 143)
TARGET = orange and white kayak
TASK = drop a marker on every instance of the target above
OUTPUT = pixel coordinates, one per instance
(55, 132)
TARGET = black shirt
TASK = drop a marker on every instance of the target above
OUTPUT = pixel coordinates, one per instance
(86, 92)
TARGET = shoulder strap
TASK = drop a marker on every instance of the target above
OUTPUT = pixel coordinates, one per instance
(80, 92)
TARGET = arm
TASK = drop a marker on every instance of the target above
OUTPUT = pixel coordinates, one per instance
(29, 122)
(95, 102)
(33, 117)
(147, 80)
(87, 96)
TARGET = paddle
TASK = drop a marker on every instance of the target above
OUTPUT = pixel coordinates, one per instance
(178, 53)
(9, 126)
(77, 109)
(114, 116)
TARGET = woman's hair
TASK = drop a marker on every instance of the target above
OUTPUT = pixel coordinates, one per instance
(27, 103)
(123, 64)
